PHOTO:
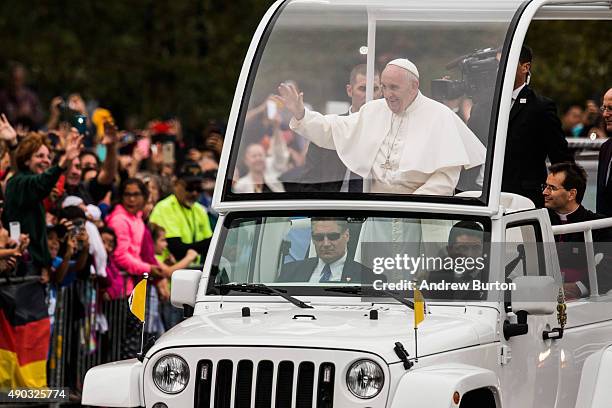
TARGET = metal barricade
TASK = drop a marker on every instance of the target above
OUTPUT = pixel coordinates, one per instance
(87, 331)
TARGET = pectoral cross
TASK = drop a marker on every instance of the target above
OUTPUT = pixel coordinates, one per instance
(386, 165)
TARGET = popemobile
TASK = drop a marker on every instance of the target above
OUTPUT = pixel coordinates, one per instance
(388, 269)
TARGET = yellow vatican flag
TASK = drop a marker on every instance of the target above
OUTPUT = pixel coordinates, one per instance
(138, 300)
(419, 308)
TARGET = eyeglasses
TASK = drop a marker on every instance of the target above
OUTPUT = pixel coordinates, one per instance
(551, 187)
(605, 108)
(332, 236)
(135, 194)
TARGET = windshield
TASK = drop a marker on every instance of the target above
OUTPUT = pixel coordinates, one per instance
(324, 254)
(369, 98)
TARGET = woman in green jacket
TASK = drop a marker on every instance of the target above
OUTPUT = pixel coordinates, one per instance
(23, 310)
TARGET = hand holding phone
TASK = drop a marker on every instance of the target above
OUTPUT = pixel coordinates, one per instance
(168, 153)
(15, 230)
(271, 109)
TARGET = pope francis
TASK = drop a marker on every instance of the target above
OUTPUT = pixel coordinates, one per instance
(406, 143)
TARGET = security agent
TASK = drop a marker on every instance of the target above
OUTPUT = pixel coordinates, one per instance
(534, 133)
(330, 237)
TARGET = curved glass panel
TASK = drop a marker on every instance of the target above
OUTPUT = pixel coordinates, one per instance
(315, 119)
(306, 254)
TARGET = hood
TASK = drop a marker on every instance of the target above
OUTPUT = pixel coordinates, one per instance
(337, 327)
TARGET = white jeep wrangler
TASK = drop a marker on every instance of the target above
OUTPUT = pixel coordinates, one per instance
(264, 333)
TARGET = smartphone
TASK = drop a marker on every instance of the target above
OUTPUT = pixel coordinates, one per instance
(15, 230)
(128, 138)
(168, 153)
(78, 226)
(271, 109)
(80, 123)
(143, 146)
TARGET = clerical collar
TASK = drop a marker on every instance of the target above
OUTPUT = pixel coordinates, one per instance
(563, 217)
(517, 91)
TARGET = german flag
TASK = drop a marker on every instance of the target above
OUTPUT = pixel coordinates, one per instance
(24, 336)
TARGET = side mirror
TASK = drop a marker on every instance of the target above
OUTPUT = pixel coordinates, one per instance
(536, 295)
(185, 284)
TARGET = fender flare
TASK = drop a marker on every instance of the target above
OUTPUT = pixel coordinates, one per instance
(595, 380)
(434, 386)
(116, 384)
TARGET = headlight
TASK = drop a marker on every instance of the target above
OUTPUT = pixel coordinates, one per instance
(171, 374)
(365, 379)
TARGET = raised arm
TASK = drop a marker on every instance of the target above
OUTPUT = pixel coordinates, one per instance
(291, 98)
(110, 166)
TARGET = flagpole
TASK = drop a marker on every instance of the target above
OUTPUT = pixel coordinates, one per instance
(419, 316)
(416, 346)
(142, 331)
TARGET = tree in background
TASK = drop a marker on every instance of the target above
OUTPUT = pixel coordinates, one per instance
(147, 58)
(142, 58)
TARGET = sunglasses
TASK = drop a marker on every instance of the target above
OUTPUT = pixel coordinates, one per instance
(332, 236)
(197, 188)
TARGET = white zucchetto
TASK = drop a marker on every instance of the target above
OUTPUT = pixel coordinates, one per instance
(406, 64)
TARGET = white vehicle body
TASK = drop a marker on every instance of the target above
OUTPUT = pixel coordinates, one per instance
(464, 359)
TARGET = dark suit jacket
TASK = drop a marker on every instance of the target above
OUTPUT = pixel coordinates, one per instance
(301, 271)
(604, 188)
(572, 251)
(534, 132)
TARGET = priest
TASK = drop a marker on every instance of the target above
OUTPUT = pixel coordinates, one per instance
(405, 143)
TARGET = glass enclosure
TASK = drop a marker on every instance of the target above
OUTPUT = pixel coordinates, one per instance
(308, 254)
(419, 127)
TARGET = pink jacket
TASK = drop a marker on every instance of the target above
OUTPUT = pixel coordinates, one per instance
(130, 231)
(119, 286)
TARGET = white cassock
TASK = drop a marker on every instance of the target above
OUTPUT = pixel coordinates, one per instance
(420, 151)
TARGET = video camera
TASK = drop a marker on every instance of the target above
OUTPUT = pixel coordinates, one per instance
(478, 73)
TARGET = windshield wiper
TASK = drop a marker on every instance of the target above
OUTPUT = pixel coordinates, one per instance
(358, 290)
(263, 289)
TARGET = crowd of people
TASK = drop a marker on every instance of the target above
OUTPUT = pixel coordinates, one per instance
(584, 120)
(85, 201)
(87, 205)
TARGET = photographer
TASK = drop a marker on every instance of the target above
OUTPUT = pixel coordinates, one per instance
(71, 238)
(72, 233)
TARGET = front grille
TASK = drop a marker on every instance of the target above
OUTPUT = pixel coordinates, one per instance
(269, 384)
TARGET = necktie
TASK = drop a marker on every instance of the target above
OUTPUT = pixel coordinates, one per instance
(325, 274)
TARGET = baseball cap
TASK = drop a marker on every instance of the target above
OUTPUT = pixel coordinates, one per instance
(191, 172)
